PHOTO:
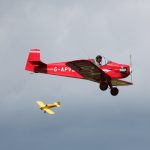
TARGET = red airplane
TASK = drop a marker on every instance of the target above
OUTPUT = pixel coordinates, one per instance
(107, 75)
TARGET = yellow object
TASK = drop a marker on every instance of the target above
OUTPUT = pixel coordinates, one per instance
(46, 107)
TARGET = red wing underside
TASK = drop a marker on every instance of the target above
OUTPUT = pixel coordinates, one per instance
(87, 69)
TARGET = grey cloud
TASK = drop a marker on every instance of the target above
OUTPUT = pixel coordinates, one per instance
(68, 30)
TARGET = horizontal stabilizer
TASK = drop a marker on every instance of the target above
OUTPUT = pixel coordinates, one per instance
(57, 104)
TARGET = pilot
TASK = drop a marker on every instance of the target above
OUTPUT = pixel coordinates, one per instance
(99, 60)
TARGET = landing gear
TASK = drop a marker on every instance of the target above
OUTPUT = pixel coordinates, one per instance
(114, 91)
(103, 86)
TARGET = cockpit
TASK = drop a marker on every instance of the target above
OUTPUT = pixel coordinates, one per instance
(101, 60)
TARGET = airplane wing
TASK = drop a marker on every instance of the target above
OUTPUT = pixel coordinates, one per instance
(49, 111)
(117, 82)
(40, 103)
(87, 69)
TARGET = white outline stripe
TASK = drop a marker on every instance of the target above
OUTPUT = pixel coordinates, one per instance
(34, 51)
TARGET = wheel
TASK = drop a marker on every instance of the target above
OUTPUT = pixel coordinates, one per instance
(103, 86)
(114, 91)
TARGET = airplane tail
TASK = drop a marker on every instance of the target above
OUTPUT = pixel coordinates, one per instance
(57, 104)
(34, 63)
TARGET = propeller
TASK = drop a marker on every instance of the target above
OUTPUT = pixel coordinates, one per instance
(131, 67)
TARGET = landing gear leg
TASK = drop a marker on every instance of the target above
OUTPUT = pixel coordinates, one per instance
(107, 83)
(113, 90)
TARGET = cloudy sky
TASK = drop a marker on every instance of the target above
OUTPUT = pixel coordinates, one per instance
(68, 30)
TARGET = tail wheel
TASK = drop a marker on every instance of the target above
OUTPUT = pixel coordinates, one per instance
(114, 91)
(103, 86)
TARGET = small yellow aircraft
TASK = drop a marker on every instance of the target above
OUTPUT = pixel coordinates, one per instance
(46, 107)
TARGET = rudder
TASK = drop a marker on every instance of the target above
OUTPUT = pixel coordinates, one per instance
(34, 55)
(33, 62)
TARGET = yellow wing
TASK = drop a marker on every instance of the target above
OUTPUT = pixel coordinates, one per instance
(40, 103)
(49, 111)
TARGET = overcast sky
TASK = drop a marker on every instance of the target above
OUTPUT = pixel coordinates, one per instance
(68, 30)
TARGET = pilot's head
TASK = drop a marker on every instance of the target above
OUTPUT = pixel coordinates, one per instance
(99, 58)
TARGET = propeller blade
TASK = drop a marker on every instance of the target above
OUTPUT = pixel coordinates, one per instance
(131, 67)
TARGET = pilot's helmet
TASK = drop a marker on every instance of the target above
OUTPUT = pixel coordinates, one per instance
(98, 57)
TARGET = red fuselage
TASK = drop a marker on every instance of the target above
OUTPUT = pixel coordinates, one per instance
(106, 75)
(114, 70)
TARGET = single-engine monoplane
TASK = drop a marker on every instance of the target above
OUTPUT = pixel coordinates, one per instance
(108, 75)
(47, 107)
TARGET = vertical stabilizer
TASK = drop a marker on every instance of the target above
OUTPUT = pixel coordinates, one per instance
(34, 62)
